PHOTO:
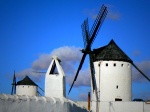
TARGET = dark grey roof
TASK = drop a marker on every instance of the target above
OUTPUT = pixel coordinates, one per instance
(26, 81)
(110, 52)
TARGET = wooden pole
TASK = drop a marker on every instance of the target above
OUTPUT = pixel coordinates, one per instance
(89, 100)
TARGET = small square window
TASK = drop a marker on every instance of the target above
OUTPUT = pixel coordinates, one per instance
(121, 65)
(114, 64)
(118, 99)
(106, 64)
(117, 87)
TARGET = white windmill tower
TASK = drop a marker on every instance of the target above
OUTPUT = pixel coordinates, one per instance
(26, 87)
(113, 73)
(55, 80)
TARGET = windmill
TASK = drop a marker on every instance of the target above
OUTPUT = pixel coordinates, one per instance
(27, 87)
(88, 38)
(24, 82)
(104, 62)
(13, 91)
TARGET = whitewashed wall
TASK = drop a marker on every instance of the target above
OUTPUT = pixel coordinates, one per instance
(26, 90)
(124, 107)
(113, 80)
(55, 84)
(15, 103)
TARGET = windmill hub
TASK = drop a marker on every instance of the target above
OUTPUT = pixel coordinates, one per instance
(86, 51)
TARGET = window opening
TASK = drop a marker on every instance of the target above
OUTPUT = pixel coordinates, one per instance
(121, 65)
(106, 64)
(54, 69)
(118, 99)
(114, 64)
(117, 87)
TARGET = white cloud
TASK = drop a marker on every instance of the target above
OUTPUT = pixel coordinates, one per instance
(84, 78)
(42, 62)
(69, 56)
(113, 13)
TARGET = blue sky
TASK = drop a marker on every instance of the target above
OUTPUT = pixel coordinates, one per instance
(32, 31)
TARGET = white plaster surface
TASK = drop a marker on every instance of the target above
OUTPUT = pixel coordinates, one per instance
(55, 85)
(26, 90)
(124, 107)
(16, 103)
(114, 80)
(83, 103)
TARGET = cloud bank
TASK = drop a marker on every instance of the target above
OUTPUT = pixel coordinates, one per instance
(70, 57)
(83, 79)
(113, 13)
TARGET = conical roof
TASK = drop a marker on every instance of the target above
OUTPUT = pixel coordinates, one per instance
(110, 52)
(26, 81)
